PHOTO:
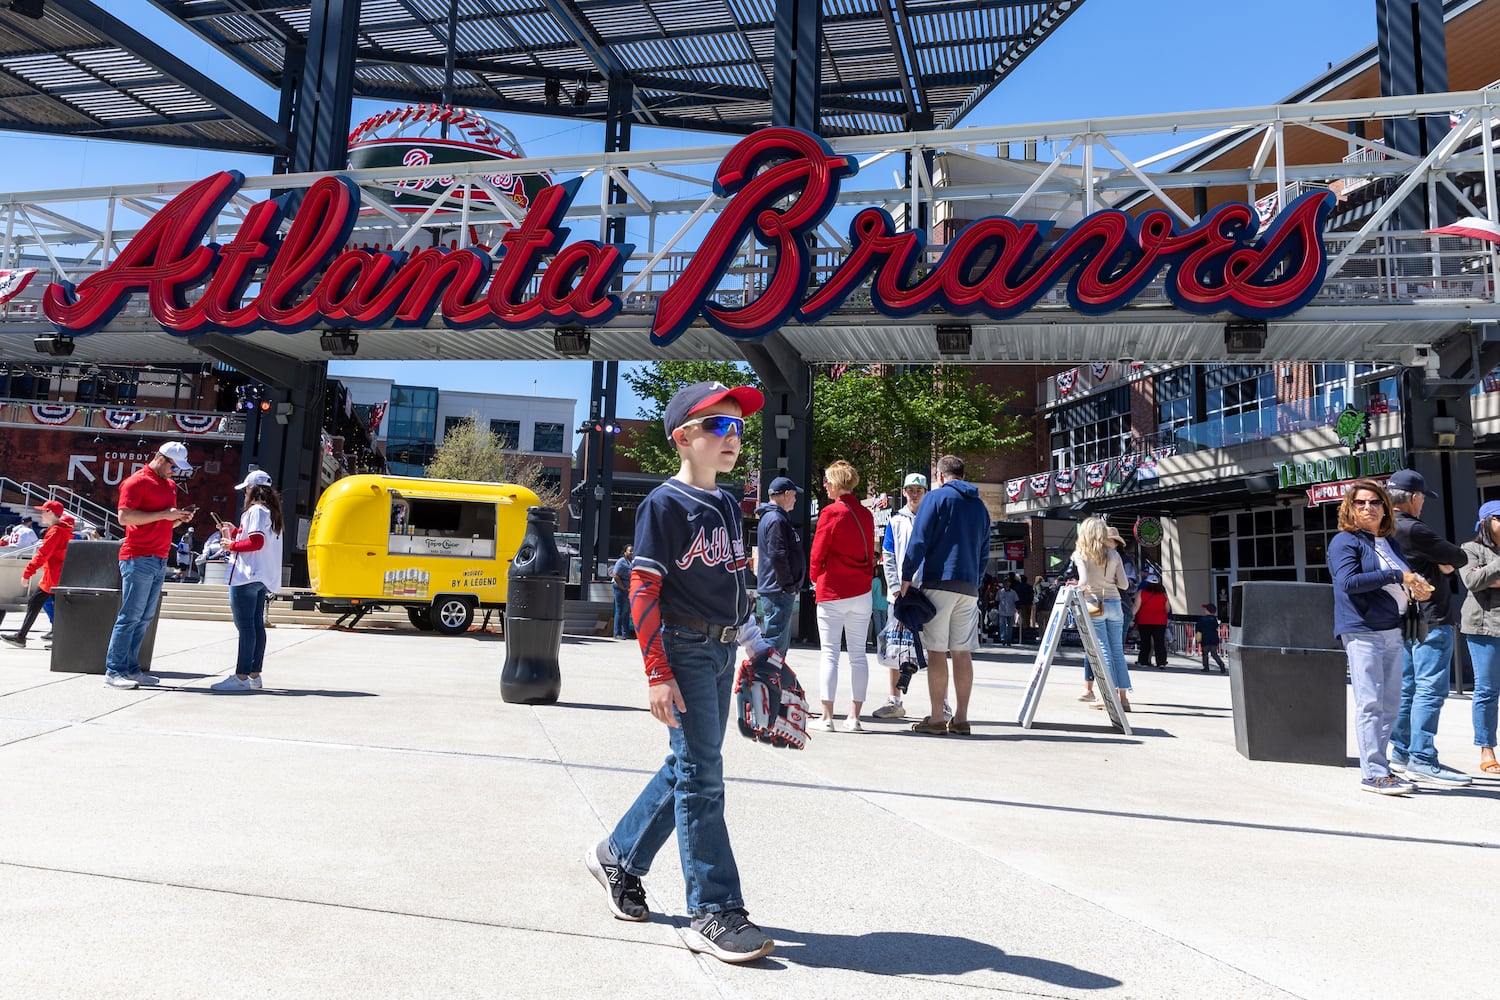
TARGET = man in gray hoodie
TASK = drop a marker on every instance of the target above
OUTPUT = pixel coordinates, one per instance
(781, 566)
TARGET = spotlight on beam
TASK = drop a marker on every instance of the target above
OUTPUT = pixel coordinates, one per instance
(954, 338)
(340, 342)
(58, 346)
(29, 8)
(571, 341)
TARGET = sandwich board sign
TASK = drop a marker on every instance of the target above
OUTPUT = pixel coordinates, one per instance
(1070, 603)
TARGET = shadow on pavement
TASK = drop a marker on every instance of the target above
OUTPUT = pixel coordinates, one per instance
(600, 708)
(892, 953)
(272, 692)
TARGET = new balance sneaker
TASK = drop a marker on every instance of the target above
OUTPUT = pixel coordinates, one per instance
(892, 709)
(120, 681)
(1398, 764)
(144, 679)
(627, 897)
(1385, 786)
(728, 936)
(1436, 774)
(255, 684)
(231, 684)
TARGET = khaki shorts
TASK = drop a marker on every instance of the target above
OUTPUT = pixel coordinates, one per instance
(955, 627)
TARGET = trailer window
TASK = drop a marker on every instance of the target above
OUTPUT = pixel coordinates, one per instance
(461, 528)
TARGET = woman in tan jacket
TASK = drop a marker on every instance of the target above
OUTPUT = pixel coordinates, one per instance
(1101, 577)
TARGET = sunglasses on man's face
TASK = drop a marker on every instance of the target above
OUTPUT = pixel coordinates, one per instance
(720, 425)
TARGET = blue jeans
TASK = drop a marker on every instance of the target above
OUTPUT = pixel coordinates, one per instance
(1375, 678)
(624, 629)
(1110, 630)
(247, 601)
(776, 619)
(687, 794)
(140, 588)
(1424, 686)
(1484, 651)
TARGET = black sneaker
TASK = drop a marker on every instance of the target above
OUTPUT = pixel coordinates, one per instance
(728, 936)
(14, 638)
(627, 897)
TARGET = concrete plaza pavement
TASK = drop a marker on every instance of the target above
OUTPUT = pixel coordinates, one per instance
(378, 823)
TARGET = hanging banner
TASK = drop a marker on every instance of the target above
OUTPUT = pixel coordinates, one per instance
(13, 282)
(1040, 484)
(1064, 480)
(1014, 488)
(778, 185)
(1095, 474)
(55, 414)
(1015, 551)
(195, 423)
(1066, 381)
(123, 420)
(1099, 370)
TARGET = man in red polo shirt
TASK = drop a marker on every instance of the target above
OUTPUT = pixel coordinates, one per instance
(148, 510)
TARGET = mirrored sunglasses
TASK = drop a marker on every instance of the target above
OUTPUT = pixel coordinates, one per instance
(719, 425)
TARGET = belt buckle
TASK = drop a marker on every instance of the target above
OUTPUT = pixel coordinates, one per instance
(728, 634)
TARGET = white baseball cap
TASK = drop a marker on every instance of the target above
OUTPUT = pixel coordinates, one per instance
(915, 479)
(177, 452)
(257, 477)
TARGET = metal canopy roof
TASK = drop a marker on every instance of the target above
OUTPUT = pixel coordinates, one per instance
(81, 72)
(695, 64)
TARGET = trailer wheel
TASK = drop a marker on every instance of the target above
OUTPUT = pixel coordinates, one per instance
(421, 618)
(452, 615)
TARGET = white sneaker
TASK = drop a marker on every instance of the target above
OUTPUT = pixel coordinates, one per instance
(851, 725)
(231, 683)
(120, 681)
(1086, 696)
(828, 725)
(892, 709)
(255, 684)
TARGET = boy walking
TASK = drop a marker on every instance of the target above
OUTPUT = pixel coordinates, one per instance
(1208, 637)
(691, 607)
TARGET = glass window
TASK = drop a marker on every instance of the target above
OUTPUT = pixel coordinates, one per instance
(1235, 398)
(548, 438)
(509, 433)
(1092, 430)
(1174, 401)
(451, 422)
(551, 477)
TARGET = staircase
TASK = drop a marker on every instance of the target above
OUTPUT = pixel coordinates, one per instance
(23, 498)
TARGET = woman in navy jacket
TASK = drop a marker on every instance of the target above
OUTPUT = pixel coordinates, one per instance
(1371, 587)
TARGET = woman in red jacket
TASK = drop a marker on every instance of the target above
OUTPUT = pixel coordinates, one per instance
(842, 565)
(49, 559)
(1151, 617)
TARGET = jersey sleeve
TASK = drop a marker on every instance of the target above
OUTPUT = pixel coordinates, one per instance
(660, 536)
(645, 612)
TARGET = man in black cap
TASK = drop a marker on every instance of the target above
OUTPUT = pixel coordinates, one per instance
(782, 566)
(1424, 670)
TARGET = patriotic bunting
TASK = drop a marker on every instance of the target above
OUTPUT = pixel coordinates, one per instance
(1095, 474)
(1066, 381)
(1040, 483)
(122, 420)
(1100, 370)
(1127, 465)
(195, 423)
(1064, 480)
(52, 413)
(1014, 488)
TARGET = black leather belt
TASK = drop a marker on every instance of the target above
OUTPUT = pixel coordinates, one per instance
(726, 634)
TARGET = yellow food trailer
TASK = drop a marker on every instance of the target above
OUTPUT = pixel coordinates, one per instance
(439, 548)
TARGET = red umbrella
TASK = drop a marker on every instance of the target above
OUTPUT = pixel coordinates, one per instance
(1473, 227)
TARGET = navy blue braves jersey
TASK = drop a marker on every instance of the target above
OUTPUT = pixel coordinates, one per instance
(694, 540)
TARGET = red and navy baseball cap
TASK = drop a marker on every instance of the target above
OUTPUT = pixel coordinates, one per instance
(701, 395)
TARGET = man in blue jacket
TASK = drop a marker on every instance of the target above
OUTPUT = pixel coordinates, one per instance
(950, 548)
(781, 567)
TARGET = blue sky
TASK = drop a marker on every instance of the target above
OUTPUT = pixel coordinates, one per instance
(1112, 57)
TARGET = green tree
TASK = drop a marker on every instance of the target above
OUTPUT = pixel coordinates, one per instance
(656, 384)
(884, 419)
(470, 451)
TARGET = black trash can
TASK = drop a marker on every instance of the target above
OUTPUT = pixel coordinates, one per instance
(537, 581)
(86, 602)
(1287, 674)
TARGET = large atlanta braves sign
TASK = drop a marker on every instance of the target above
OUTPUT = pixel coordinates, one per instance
(780, 184)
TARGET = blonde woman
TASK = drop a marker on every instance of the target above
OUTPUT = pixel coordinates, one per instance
(1101, 575)
(842, 565)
